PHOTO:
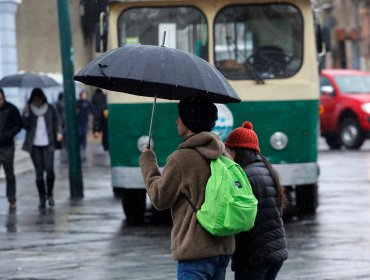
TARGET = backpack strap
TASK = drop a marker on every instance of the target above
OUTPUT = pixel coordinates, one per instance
(188, 199)
(191, 204)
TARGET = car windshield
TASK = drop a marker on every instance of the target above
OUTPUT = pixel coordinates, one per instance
(353, 84)
(264, 41)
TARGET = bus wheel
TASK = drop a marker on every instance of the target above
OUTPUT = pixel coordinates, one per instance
(351, 134)
(333, 142)
(307, 199)
(133, 204)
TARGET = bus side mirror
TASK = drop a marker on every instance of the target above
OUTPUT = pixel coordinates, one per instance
(322, 40)
(101, 34)
(327, 91)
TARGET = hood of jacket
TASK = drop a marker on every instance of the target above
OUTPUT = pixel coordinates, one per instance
(208, 144)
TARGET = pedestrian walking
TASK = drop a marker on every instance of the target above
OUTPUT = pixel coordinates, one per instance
(84, 109)
(10, 125)
(200, 255)
(99, 103)
(42, 131)
(261, 251)
(59, 107)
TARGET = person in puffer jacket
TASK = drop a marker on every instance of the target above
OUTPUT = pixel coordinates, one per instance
(261, 251)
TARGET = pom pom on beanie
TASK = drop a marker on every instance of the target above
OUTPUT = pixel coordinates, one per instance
(243, 137)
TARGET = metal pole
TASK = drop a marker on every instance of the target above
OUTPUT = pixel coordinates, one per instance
(356, 43)
(75, 173)
(152, 120)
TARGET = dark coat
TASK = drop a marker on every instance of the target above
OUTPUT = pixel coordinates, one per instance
(10, 124)
(265, 243)
(99, 103)
(84, 108)
(52, 125)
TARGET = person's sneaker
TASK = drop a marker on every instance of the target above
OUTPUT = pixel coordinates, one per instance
(12, 206)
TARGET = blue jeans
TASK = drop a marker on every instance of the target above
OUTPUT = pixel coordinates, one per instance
(264, 273)
(213, 268)
(83, 127)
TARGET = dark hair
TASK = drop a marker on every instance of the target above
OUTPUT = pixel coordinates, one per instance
(2, 92)
(37, 92)
(98, 91)
(282, 198)
(242, 156)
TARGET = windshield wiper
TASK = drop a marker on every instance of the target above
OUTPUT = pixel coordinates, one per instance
(252, 71)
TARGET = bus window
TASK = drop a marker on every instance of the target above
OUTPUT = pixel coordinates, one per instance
(186, 28)
(264, 41)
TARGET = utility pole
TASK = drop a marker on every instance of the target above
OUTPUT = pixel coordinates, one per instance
(75, 173)
(356, 42)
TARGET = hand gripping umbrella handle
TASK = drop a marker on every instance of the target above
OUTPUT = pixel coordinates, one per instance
(151, 120)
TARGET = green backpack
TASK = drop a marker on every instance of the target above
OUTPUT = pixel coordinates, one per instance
(230, 206)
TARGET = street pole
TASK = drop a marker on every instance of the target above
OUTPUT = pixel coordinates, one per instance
(75, 173)
(356, 43)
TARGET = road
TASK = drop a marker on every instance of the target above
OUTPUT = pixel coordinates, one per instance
(89, 239)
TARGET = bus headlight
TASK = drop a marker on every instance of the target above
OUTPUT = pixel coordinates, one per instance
(279, 141)
(143, 142)
(366, 107)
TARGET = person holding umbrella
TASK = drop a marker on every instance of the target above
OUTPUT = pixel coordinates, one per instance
(10, 125)
(200, 255)
(42, 131)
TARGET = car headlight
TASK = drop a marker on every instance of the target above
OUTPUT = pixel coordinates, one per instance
(366, 107)
(279, 141)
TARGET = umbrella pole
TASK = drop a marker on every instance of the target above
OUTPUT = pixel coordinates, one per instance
(151, 120)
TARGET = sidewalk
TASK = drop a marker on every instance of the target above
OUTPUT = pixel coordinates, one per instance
(47, 244)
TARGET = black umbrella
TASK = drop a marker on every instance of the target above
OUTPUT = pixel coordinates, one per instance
(157, 72)
(29, 80)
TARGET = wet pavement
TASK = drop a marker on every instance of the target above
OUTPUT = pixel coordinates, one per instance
(89, 239)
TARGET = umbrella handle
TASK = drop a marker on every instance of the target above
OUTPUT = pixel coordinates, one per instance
(151, 120)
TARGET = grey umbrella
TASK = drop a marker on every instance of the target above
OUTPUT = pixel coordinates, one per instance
(28, 80)
(157, 72)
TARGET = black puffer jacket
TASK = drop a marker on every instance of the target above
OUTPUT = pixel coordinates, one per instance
(10, 124)
(265, 243)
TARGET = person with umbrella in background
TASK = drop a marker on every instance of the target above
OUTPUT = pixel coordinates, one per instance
(10, 125)
(200, 255)
(42, 131)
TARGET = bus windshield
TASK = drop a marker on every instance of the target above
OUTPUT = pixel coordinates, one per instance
(186, 28)
(264, 41)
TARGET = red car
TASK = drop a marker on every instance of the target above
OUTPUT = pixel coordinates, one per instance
(345, 107)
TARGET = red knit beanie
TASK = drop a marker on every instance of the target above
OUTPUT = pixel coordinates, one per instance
(243, 137)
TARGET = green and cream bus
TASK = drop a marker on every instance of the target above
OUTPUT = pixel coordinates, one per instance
(266, 49)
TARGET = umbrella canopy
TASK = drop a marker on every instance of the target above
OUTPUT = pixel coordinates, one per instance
(157, 72)
(28, 80)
